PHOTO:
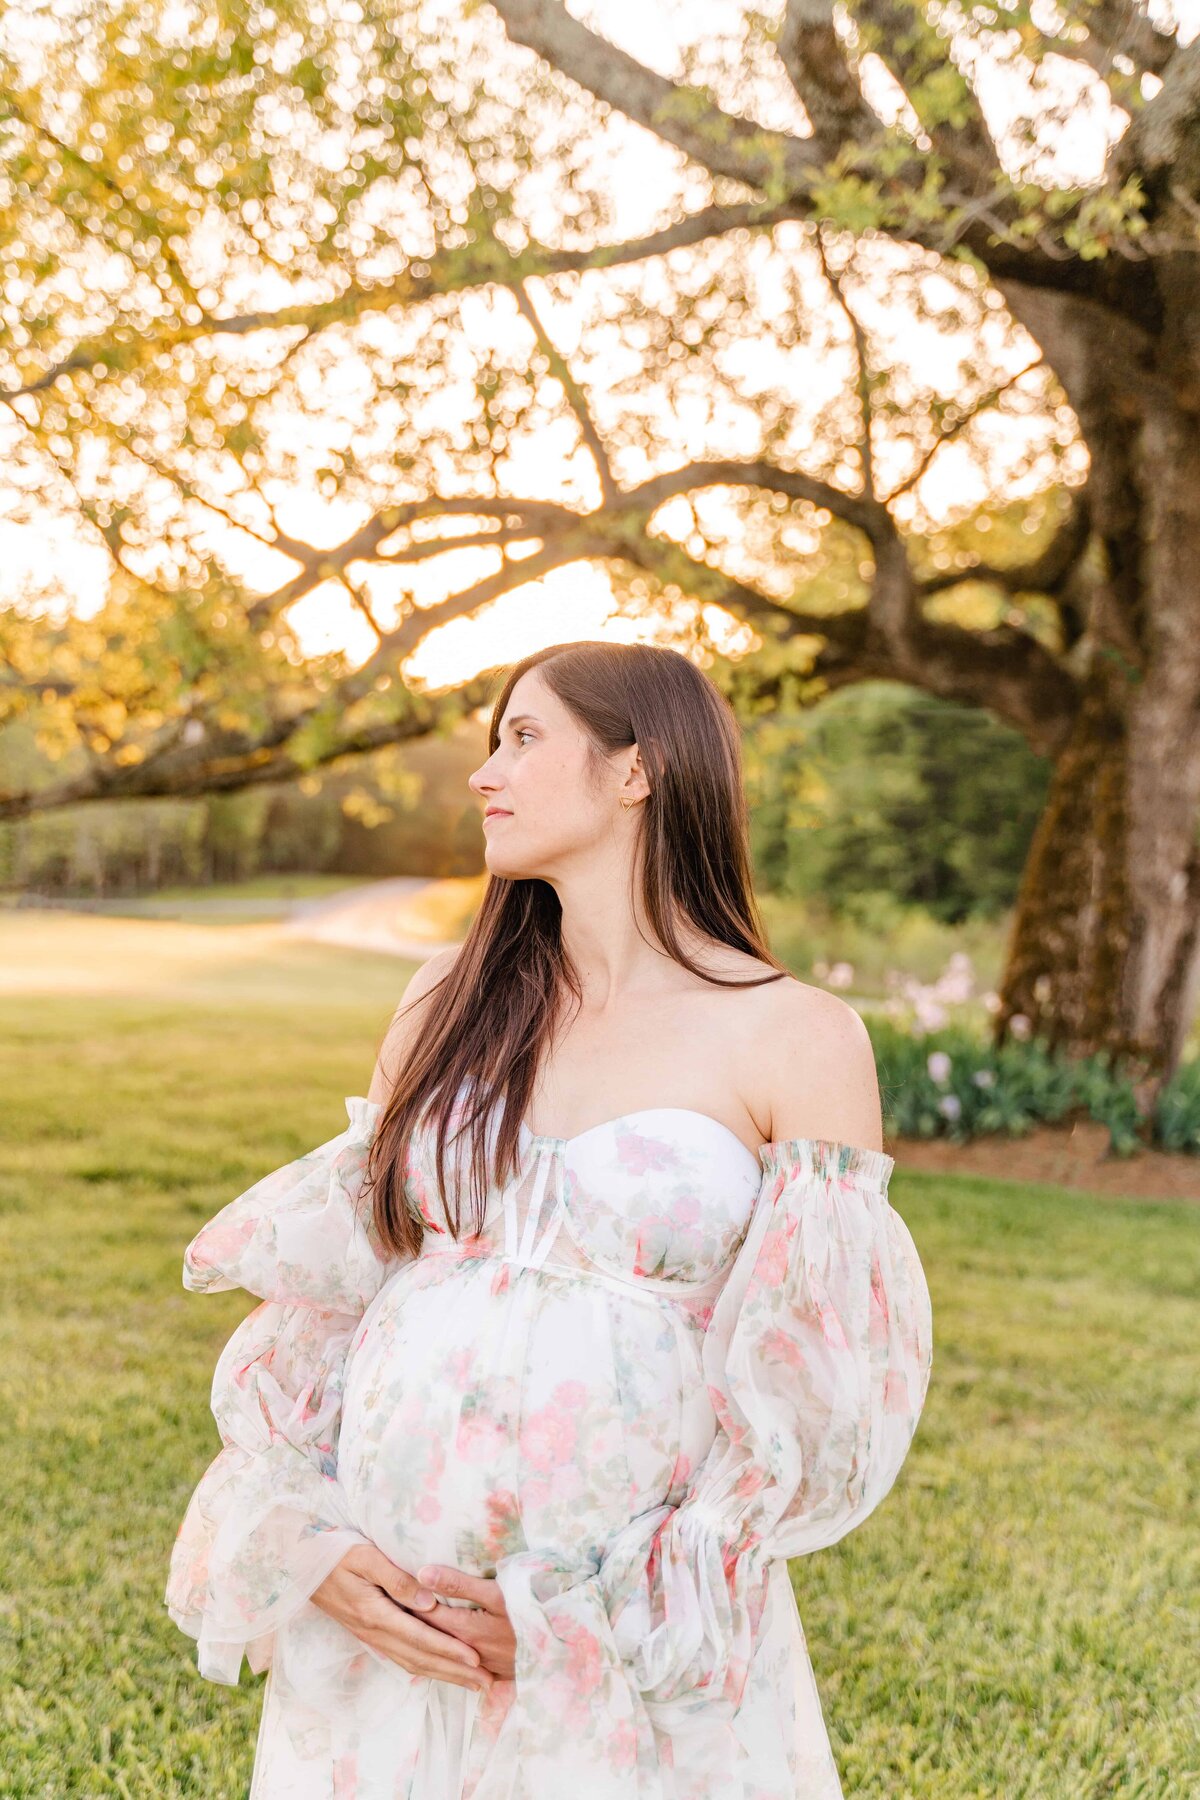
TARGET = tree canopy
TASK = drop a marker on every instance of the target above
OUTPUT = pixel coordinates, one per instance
(382, 254)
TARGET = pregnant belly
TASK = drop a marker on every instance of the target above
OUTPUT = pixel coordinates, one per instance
(491, 1408)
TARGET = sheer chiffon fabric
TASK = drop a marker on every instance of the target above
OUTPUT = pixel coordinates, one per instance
(662, 1367)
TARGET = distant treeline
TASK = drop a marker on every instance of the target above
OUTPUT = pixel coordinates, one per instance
(880, 792)
(876, 795)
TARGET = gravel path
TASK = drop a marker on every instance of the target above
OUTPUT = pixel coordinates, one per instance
(365, 918)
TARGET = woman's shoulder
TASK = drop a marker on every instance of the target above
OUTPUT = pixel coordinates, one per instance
(405, 1021)
(816, 1067)
(428, 975)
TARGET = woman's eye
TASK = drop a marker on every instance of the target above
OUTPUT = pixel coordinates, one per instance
(522, 735)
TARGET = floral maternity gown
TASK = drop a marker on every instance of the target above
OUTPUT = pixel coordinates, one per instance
(663, 1366)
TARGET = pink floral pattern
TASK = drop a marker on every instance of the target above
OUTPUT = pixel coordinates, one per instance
(662, 1368)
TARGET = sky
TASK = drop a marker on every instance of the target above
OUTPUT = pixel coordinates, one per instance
(56, 554)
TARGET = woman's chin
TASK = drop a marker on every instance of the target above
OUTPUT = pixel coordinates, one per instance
(510, 868)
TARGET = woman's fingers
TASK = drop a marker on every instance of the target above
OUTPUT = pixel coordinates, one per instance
(430, 1642)
(483, 1621)
(353, 1593)
(456, 1584)
(405, 1589)
(470, 1625)
(383, 1614)
(369, 1562)
(421, 1650)
(492, 1637)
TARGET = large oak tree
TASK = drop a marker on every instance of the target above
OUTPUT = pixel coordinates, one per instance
(381, 252)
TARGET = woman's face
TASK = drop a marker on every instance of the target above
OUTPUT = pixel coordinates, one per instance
(541, 804)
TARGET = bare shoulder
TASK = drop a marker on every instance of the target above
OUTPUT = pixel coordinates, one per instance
(406, 1020)
(818, 1070)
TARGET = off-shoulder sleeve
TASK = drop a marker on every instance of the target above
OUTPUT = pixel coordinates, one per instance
(268, 1521)
(817, 1358)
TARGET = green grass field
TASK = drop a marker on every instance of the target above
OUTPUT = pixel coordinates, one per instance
(1018, 1619)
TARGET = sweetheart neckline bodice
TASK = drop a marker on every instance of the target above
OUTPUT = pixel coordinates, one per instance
(640, 1112)
(838, 1154)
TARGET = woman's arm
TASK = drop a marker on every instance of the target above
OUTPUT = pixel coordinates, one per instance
(267, 1527)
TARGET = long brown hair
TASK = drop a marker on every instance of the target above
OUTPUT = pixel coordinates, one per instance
(488, 1026)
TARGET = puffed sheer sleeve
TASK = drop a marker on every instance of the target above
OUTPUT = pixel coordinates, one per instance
(817, 1358)
(267, 1521)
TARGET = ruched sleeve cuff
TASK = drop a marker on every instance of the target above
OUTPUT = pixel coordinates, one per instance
(817, 1358)
(268, 1521)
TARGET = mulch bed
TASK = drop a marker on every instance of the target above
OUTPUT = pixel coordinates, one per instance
(1072, 1156)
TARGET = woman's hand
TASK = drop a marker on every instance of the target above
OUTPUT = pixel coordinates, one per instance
(484, 1625)
(370, 1595)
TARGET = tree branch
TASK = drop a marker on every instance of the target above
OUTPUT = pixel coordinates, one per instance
(576, 398)
(868, 516)
(525, 518)
(1160, 144)
(395, 645)
(487, 263)
(1112, 29)
(129, 208)
(904, 39)
(862, 366)
(1045, 573)
(961, 421)
(815, 60)
(689, 118)
(1003, 669)
(528, 517)
(793, 166)
(228, 762)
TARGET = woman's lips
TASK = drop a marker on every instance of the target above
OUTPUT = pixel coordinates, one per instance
(498, 814)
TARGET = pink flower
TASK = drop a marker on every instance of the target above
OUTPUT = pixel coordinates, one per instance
(879, 1308)
(480, 1437)
(622, 1746)
(639, 1154)
(649, 1254)
(895, 1392)
(749, 1481)
(780, 1346)
(832, 1329)
(584, 1661)
(219, 1243)
(682, 1469)
(503, 1523)
(428, 1509)
(345, 1776)
(548, 1438)
(773, 1255)
(493, 1706)
(733, 1429)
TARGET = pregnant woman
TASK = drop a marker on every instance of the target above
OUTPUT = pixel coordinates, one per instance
(594, 1314)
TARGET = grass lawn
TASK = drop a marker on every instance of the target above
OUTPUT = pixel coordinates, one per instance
(1018, 1619)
